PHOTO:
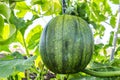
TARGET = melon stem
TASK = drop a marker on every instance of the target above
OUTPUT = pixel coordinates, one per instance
(101, 74)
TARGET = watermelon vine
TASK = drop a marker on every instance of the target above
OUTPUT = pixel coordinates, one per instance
(102, 74)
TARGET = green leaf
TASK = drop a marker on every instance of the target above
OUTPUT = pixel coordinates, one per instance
(113, 21)
(101, 17)
(49, 7)
(38, 2)
(19, 23)
(4, 44)
(12, 29)
(117, 51)
(1, 26)
(22, 8)
(54, 7)
(4, 47)
(93, 16)
(100, 30)
(14, 55)
(16, 0)
(111, 38)
(8, 67)
(98, 47)
(19, 37)
(81, 9)
(33, 37)
(116, 63)
(1, 23)
(106, 8)
(5, 11)
(17, 55)
(115, 1)
(93, 24)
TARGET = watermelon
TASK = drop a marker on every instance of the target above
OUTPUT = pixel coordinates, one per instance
(66, 44)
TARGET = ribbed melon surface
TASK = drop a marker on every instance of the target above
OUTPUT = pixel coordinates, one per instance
(66, 44)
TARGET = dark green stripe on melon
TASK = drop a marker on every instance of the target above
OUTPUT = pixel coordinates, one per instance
(66, 44)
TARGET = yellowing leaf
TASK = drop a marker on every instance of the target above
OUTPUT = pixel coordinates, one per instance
(38, 62)
(22, 9)
(33, 37)
(19, 37)
(7, 32)
(21, 74)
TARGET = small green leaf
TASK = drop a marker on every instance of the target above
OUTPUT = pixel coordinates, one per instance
(112, 21)
(54, 7)
(12, 29)
(16, 0)
(49, 7)
(19, 23)
(93, 24)
(100, 30)
(99, 46)
(12, 5)
(38, 1)
(107, 8)
(101, 17)
(111, 38)
(115, 1)
(116, 63)
(117, 50)
(93, 16)
(22, 8)
(17, 55)
(19, 37)
(5, 11)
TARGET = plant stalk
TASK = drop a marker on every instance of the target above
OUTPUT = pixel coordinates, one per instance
(67, 76)
(27, 52)
(102, 74)
(41, 72)
(115, 35)
(63, 6)
(28, 78)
